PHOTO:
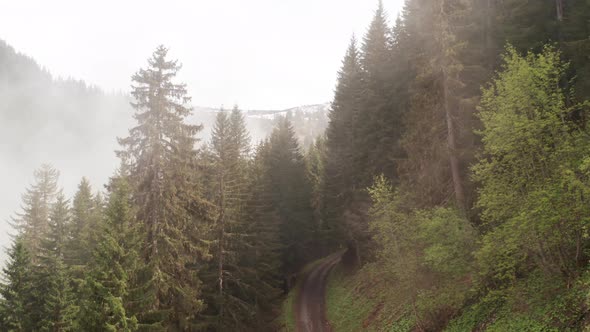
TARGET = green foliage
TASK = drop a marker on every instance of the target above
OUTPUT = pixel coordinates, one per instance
(532, 175)
(33, 221)
(105, 294)
(427, 252)
(16, 298)
(51, 275)
(290, 192)
(160, 156)
(231, 276)
(344, 153)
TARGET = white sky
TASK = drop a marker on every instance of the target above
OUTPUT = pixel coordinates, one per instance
(262, 54)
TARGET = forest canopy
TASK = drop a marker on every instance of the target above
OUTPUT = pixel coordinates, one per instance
(452, 175)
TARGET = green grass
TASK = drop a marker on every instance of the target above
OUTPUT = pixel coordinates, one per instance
(346, 310)
(536, 303)
(365, 300)
(288, 316)
(362, 301)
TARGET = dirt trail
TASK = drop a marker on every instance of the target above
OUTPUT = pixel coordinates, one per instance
(310, 309)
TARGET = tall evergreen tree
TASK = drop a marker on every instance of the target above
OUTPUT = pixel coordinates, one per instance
(261, 258)
(33, 221)
(381, 116)
(107, 298)
(314, 161)
(291, 194)
(440, 120)
(342, 164)
(15, 290)
(230, 144)
(86, 214)
(160, 154)
(52, 280)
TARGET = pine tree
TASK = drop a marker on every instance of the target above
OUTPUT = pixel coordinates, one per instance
(33, 221)
(381, 108)
(291, 195)
(16, 299)
(342, 163)
(86, 214)
(230, 144)
(439, 135)
(83, 223)
(160, 154)
(33, 226)
(314, 161)
(263, 256)
(107, 287)
(52, 280)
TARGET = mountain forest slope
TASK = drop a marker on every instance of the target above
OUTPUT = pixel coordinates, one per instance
(454, 174)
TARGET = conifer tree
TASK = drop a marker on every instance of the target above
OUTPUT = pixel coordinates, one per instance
(345, 155)
(229, 147)
(381, 108)
(52, 280)
(15, 290)
(85, 220)
(440, 117)
(314, 161)
(160, 154)
(291, 195)
(33, 222)
(33, 226)
(264, 250)
(106, 294)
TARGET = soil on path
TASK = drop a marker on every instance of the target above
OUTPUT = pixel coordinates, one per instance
(310, 310)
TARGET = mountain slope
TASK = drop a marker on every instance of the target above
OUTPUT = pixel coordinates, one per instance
(74, 126)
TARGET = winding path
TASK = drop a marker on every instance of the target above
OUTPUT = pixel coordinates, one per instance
(310, 308)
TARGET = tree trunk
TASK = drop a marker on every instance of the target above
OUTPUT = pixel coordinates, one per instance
(221, 237)
(559, 4)
(451, 141)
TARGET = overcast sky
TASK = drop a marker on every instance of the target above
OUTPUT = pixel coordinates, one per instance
(262, 54)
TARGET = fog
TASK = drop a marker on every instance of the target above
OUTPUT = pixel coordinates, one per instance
(57, 64)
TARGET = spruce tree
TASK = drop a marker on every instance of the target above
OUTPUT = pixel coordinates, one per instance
(263, 255)
(33, 222)
(439, 124)
(381, 110)
(343, 164)
(33, 226)
(16, 299)
(86, 216)
(160, 154)
(52, 280)
(314, 161)
(291, 195)
(230, 144)
(106, 295)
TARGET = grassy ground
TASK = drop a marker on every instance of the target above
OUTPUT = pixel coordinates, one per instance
(364, 301)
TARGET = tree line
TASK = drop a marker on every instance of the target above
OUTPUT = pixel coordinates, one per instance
(183, 237)
(455, 163)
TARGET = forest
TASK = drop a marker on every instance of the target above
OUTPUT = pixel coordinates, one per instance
(452, 176)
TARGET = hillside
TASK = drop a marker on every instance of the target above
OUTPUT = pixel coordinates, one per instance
(74, 126)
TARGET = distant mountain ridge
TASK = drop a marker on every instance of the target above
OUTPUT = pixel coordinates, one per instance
(309, 121)
(75, 126)
(312, 108)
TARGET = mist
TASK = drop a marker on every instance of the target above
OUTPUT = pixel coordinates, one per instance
(74, 127)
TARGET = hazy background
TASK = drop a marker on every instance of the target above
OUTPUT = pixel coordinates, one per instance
(260, 54)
